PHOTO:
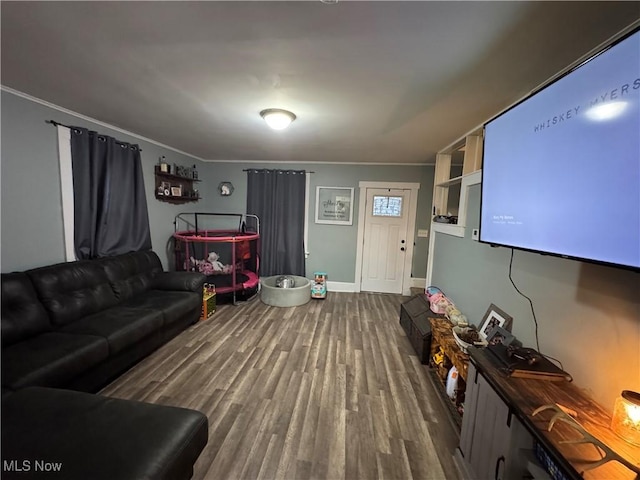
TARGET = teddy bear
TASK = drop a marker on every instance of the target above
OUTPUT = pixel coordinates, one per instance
(211, 266)
(216, 264)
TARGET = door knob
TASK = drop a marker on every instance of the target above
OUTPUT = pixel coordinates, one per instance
(402, 248)
(401, 241)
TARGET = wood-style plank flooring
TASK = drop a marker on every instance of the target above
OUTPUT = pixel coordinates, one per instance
(328, 390)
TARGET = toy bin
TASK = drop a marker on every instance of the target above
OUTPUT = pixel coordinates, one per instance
(208, 301)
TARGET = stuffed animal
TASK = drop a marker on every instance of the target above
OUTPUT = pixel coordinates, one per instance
(216, 264)
(437, 300)
(195, 264)
(211, 266)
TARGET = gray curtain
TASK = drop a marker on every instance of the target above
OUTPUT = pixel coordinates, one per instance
(277, 198)
(110, 205)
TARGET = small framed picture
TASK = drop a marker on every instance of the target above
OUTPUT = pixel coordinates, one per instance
(494, 317)
(499, 335)
(176, 191)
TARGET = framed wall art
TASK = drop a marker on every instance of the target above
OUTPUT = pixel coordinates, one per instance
(334, 205)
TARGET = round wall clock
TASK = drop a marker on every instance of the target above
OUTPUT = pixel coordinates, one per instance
(225, 188)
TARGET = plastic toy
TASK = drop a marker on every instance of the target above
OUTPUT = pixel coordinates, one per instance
(319, 287)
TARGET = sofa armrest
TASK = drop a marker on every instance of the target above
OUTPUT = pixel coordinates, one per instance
(181, 281)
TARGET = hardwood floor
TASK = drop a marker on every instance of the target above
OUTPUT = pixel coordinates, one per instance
(329, 390)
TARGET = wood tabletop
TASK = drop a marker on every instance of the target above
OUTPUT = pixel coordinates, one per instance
(525, 395)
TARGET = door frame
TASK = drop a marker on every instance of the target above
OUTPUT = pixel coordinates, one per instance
(411, 227)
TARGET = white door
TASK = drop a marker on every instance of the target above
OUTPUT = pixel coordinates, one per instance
(385, 239)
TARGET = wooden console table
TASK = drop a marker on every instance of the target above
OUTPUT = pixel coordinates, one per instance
(519, 397)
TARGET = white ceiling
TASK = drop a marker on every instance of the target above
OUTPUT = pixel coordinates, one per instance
(370, 82)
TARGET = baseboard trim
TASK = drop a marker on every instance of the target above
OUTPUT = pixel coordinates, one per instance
(348, 287)
(344, 287)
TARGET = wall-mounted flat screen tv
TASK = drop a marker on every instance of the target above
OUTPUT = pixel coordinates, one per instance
(561, 169)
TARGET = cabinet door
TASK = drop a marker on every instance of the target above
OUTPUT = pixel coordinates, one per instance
(470, 409)
(520, 440)
(490, 437)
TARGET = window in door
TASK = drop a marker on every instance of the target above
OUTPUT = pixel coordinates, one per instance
(387, 206)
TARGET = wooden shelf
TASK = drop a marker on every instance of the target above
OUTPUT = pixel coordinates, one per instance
(442, 337)
(166, 182)
(175, 199)
(450, 182)
(171, 176)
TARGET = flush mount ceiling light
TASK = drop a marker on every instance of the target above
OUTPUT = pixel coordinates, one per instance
(277, 118)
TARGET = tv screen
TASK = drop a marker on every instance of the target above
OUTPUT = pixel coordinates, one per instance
(561, 169)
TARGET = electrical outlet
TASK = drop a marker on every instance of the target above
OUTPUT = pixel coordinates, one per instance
(475, 234)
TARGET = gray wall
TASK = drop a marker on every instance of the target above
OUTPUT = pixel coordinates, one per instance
(31, 206)
(31, 223)
(332, 248)
(588, 315)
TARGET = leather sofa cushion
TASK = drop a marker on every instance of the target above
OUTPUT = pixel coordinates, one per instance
(174, 305)
(96, 437)
(51, 359)
(121, 326)
(73, 290)
(180, 281)
(132, 273)
(23, 315)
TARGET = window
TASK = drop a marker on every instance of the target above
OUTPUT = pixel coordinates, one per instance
(385, 206)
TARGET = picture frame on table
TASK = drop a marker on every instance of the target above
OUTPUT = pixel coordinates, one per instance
(334, 205)
(176, 191)
(494, 317)
(499, 335)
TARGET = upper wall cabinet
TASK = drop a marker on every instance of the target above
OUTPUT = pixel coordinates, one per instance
(452, 165)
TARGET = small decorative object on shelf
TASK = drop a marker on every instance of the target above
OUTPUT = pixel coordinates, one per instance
(164, 167)
(194, 173)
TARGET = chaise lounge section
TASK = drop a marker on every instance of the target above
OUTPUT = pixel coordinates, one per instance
(73, 327)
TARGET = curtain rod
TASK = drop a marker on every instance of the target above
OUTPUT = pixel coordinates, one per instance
(55, 124)
(248, 169)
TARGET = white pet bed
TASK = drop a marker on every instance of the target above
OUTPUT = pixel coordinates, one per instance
(285, 297)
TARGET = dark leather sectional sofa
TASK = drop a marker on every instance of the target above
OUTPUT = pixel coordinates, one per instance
(71, 328)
